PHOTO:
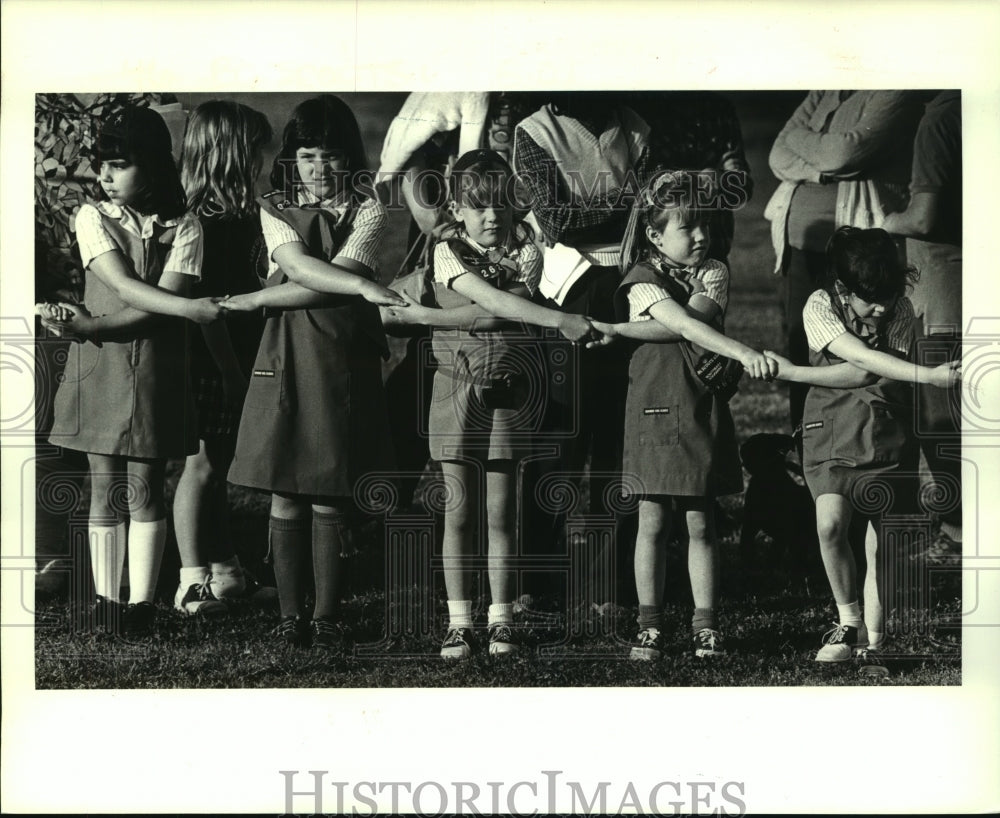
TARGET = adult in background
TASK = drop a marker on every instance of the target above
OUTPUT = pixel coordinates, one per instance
(582, 160)
(932, 224)
(843, 158)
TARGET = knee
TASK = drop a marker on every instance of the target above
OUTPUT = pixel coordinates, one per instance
(831, 531)
(199, 471)
(288, 507)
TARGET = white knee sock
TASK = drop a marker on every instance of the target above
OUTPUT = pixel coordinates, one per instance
(146, 542)
(107, 555)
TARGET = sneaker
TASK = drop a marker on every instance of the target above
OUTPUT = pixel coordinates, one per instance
(199, 599)
(648, 645)
(293, 630)
(327, 634)
(708, 644)
(502, 639)
(459, 643)
(241, 584)
(841, 642)
(139, 618)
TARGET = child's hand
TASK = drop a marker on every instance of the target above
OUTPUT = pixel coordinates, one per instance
(58, 313)
(204, 310)
(946, 375)
(777, 363)
(756, 364)
(574, 327)
(601, 334)
(244, 302)
(381, 296)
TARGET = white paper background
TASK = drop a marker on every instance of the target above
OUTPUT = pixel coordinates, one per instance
(843, 750)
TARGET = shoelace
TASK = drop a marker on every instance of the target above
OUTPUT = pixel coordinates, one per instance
(649, 636)
(836, 635)
(205, 590)
(707, 637)
(456, 636)
(500, 633)
(287, 627)
(324, 627)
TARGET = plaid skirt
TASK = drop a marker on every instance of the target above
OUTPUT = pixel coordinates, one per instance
(217, 416)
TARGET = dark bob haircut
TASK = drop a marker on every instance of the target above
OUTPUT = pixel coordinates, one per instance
(868, 263)
(321, 122)
(140, 136)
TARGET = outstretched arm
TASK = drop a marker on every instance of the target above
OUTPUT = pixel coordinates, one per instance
(838, 376)
(854, 351)
(110, 267)
(127, 324)
(516, 308)
(342, 276)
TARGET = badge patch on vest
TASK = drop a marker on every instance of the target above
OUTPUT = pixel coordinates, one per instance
(263, 373)
(816, 424)
(657, 410)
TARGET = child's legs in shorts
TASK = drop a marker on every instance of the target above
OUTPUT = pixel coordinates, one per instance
(462, 524)
(201, 505)
(501, 517)
(655, 514)
(833, 523)
(703, 550)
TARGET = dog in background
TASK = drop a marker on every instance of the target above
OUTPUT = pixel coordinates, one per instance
(778, 506)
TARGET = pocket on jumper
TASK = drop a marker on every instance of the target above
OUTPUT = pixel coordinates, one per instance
(264, 391)
(888, 437)
(659, 425)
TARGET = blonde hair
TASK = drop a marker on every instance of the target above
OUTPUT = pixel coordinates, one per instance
(221, 158)
(669, 192)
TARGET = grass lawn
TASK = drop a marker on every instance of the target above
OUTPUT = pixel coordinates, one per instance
(772, 620)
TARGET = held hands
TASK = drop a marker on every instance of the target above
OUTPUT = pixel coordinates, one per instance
(71, 321)
(244, 302)
(946, 375)
(380, 296)
(602, 334)
(575, 328)
(780, 362)
(759, 366)
(205, 310)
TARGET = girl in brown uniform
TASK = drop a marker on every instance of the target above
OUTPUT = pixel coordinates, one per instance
(314, 421)
(490, 385)
(680, 443)
(126, 401)
(857, 425)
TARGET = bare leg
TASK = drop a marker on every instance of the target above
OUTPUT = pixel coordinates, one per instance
(462, 526)
(650, 550)
(833, 519)
(501, 519)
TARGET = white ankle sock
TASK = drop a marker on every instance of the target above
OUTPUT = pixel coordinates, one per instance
(146, 542)
(193, 576)
(875, 639)
(850, 614)
(107, 556)
(500, 613)
(460, 613)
